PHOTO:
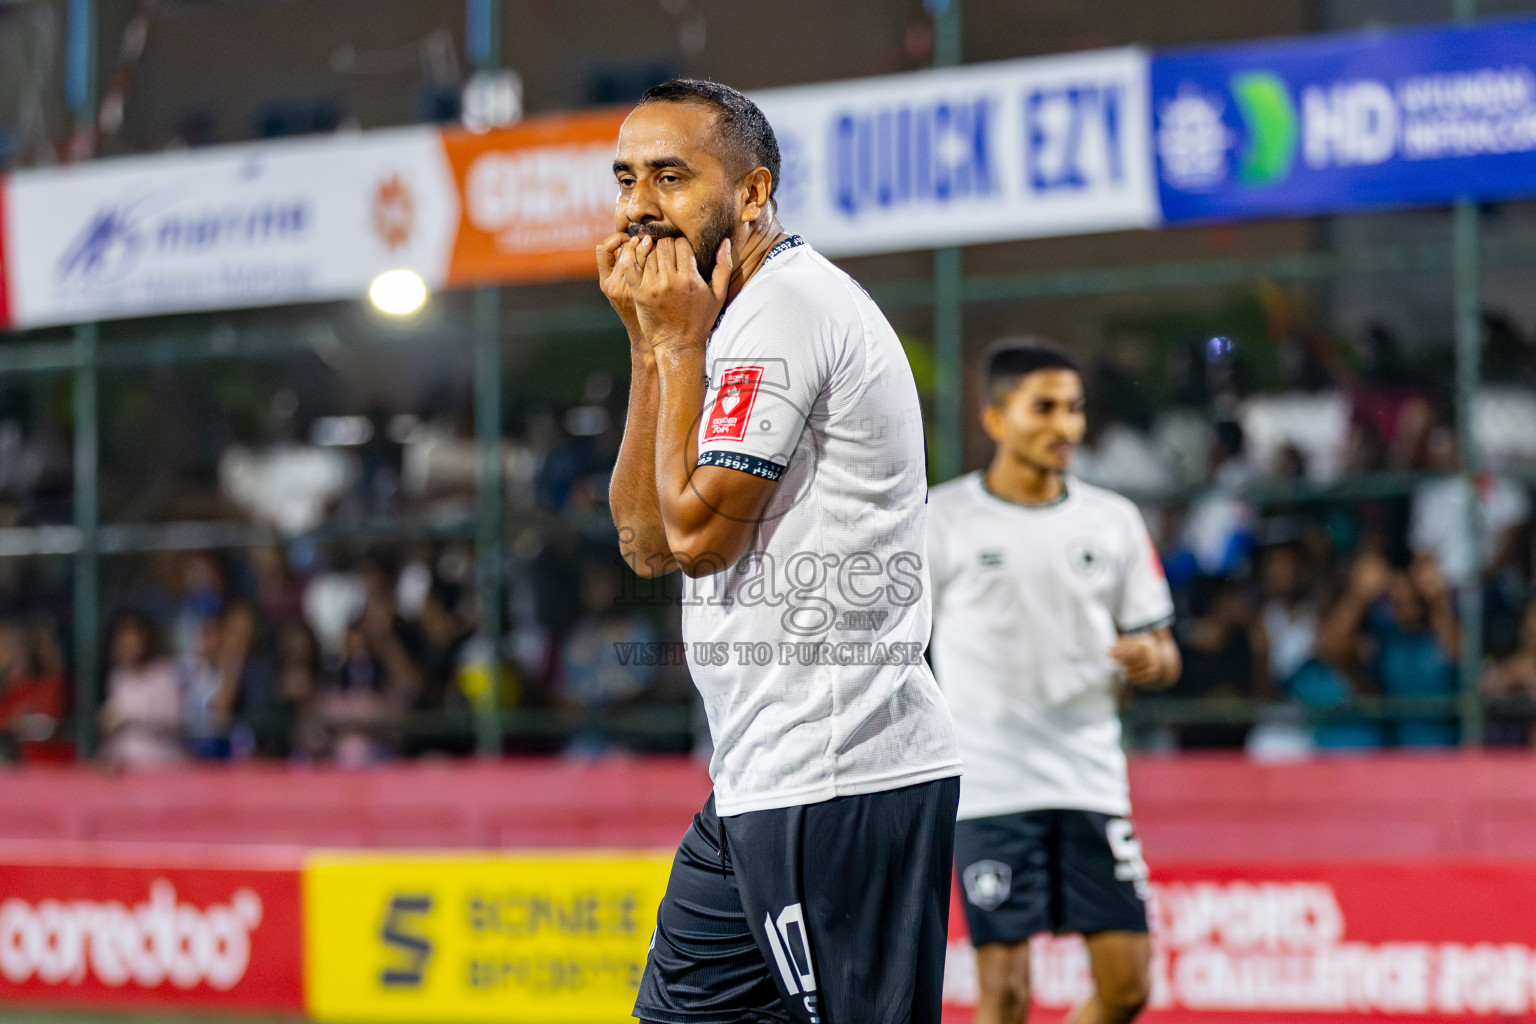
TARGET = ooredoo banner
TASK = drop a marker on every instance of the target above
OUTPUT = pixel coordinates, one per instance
(168, 929)
(1323, 943)
(1346, 122)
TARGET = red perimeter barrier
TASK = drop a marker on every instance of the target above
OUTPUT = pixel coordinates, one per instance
(165, 927)
(1382, 807)
(474, 805)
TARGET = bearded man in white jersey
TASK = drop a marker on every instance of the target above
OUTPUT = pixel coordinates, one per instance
(1048, 597)
(773, 452)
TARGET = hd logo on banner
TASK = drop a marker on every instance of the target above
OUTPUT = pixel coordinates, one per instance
(1346, 122)
(1017, 149)
(543, 939)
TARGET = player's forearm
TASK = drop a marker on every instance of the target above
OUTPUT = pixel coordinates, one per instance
(680, 398)
(632, 488)
(709, 513)
(1170, 663)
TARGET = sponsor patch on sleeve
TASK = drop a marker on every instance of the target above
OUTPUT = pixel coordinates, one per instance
(728, 417)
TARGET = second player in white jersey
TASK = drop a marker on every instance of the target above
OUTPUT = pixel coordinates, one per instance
(1048, 599)
(1028, 602)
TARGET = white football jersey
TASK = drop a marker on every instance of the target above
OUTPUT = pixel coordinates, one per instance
(809, 650)
(1028, 600)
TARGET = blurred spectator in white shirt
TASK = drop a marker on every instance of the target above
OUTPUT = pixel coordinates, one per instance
(141, 717)
(1439, 519)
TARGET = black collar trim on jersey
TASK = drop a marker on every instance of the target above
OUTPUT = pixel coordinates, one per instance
(787, 244)
(981, 478)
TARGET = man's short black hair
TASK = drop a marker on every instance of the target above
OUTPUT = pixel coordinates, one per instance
(1008, 362)
(742, 126)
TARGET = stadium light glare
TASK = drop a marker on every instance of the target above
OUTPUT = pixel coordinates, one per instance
(398, 292)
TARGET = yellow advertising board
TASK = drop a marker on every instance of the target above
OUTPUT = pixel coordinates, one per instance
(444, 938)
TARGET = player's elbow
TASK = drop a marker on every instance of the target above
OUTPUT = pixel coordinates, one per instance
(696, 556)
(708, 549)
(650, 568)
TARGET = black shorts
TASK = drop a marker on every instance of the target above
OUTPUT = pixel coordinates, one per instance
(1050, 871)
(827, 913)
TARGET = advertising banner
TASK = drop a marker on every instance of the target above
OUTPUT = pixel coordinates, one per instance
(1015, 149)
(210, 932)
(536, 198)
(554, 938)
(1346, 122)
(253, 225)
(1324, 943)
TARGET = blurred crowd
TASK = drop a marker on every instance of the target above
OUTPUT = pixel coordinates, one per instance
(1322, 565)
(271, 654)
(1314, 527)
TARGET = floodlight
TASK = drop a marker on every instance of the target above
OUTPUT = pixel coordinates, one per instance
(398, 292)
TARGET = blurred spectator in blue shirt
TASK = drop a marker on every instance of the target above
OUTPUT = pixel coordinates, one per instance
(1400, 628)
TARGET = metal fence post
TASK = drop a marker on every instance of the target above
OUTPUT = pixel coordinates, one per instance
(483, 39)
(1469, 342)
(87, 637)
(948, 291)
(80, 94)
(489, 509)
(1468, 373)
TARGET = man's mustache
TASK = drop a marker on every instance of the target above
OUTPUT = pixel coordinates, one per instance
(654, 231)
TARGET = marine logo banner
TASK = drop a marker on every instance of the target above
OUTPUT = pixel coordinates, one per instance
(251, 225)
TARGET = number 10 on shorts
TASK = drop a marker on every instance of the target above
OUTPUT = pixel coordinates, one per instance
(791, 945)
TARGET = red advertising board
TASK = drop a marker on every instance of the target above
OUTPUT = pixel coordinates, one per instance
(167, 928)
(1327, 943)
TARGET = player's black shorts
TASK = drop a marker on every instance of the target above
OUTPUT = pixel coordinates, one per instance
(827, 913)
(1050, 871)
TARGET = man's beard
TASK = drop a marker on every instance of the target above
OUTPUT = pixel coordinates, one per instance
(715, 230)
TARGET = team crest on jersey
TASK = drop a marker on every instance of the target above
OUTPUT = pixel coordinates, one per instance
(732, 411)
(1087, 558)
(987, 883)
